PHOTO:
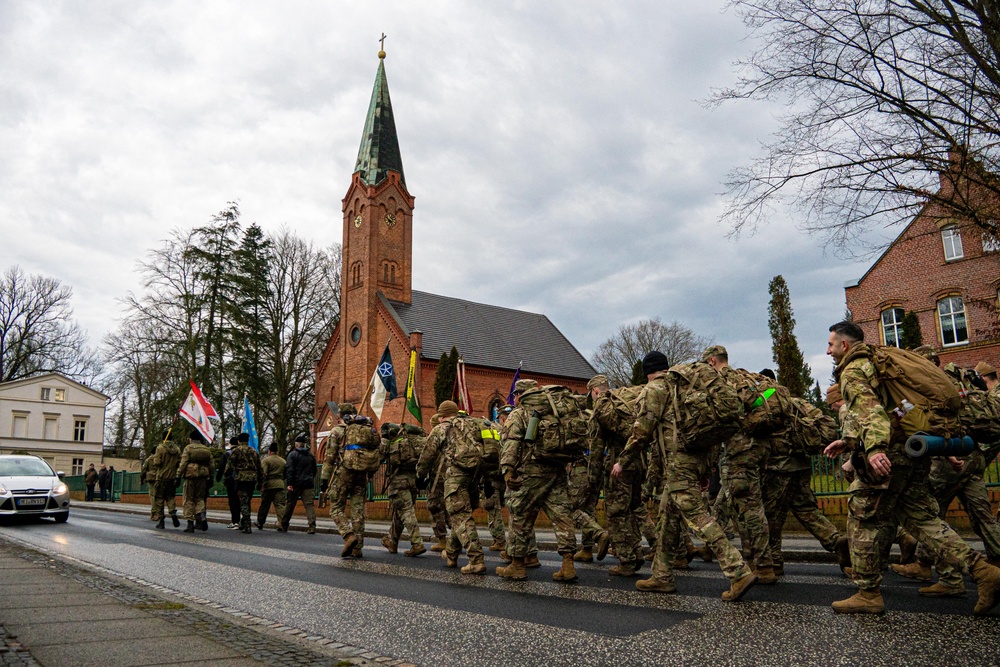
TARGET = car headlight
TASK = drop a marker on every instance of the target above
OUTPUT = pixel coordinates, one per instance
(3, 490)
(60, 489)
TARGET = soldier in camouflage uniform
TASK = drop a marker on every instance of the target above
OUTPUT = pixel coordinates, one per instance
(585, 489)
(493, 496)
(244, 468)
(684, 472)
(162, 475)
(435, 488)
(746, 459)
(272, 489)
(350, 487)
(150, 483)
(669, 525)
(196, 467)
(401, 481)
(891, 484)
(334, 446)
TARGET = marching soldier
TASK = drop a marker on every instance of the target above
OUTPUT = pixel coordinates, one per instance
(196, 467)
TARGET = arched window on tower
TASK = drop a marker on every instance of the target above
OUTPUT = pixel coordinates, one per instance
(356, 273)
(389, 271)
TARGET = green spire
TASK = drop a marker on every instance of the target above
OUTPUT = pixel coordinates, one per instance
(379, 152)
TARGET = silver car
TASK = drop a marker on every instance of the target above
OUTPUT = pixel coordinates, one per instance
(29, 487)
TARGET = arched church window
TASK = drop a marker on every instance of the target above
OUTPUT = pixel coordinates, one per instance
(389, 272)
(356, 273)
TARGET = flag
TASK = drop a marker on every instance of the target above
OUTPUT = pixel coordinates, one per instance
(461, 392)
(249, 427)
(517, 376)
(383, 383)
(412, 402)
(197, 411)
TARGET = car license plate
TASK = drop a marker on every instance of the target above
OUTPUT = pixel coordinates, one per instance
(30, 502)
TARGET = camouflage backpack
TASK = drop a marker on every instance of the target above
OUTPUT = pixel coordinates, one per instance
(361, 445)
(767, 405)
(618, 415)
(404, 444)
(464, 442)
(491, 443)
(980, 411)
(704, 410)
(810, 429)
(562, 433)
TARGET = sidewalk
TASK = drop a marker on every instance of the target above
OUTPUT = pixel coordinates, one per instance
(797, 547)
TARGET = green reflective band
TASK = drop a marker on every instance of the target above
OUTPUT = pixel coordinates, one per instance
(768, 393)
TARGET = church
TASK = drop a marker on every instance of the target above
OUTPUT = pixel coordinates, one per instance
(379, 307)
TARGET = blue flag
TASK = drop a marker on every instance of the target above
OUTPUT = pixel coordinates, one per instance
(248, 426)
(383, 383)
(517, 376)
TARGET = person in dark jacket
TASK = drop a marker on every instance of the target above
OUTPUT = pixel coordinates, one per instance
(104, 481)
(300, 479)
(90, 479)
(225, 475)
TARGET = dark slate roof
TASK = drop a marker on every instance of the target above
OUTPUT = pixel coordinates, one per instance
(489, 335)
(379, 152)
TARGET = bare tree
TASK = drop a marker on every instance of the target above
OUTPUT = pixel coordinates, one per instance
(890, 104)
(616, 356)
(37, 331)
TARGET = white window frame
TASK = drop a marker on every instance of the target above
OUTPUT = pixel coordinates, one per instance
(77, 467)
(953, 317)
(951, 238)
(50, 419)
(79, 429)
(896, 326)
(15, 420)
(45, 394)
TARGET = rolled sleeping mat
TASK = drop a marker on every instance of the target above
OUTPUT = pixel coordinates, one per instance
(922, 444)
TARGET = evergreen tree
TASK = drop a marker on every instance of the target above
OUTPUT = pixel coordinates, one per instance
(638, 377)
(911, 337)
(793, 372)
(246, 333)
(444, 381)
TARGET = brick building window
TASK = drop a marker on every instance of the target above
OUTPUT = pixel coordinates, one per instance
(389, 273)
(951, 316)
(952, 240)
(356, 273)
(892, 321)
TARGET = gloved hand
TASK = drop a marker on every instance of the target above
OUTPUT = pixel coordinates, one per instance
(513, 482)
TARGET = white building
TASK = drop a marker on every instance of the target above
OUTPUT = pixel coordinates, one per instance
(53, 417)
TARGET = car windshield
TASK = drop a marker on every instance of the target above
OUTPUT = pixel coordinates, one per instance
(18, 467)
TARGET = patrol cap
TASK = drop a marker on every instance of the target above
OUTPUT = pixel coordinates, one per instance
(714, 351)
(654, 361)
(447, 409)
(347, 409)
(833, 394)
(598, 380)
(522, 386)
(984, 369)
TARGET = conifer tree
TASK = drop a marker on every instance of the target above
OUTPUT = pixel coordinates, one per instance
(793, 372)
(444, 381)
(638, 377)
(911, 337)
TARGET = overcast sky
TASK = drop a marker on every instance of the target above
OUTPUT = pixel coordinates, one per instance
(567, 142)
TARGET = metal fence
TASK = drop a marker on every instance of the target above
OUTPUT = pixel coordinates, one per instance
(827, 480)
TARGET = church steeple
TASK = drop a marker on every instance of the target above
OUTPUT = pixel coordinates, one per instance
(379, 152)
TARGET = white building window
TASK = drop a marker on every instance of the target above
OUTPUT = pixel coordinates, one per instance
(952, 240)
(951, 315)
(892, 321)
(61, 395)
(51, 428)
(19, 426)
(46, 394)
(77, 467)
(80, 430)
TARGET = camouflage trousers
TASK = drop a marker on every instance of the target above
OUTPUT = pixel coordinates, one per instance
(722, 507)
(494, 509)
(623, 521)
(349, 486)
(435, 505)
(402, 492)
(161, 493)
(946, 484)
(746, 466)
(267, 498)
(684, 473)
(906, 498)
(790, 491)
(583, 497)
(195, 492)
(645, 518)
(291, 498)
(244, 491)
(458, 503)
(543, 487)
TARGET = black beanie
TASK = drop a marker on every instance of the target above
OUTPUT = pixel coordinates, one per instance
(654, 361)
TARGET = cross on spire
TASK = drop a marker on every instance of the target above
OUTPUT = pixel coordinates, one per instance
(381, 42)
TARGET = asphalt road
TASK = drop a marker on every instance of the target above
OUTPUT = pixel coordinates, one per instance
(417, 610)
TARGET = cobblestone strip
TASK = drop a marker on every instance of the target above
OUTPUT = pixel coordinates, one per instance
(12, 653)
(261, 643)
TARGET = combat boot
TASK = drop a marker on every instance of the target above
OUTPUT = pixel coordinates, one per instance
(204, 525)
(190, 527)
(514, 571)
(567, 572)
(415, 550)
(159, 523)
(682, 564)
(174, 519)
(531, 561)
(939, 590)
(389, 545)
(907, 549)
(356, 552)
(916, 570)
(475, 566)
(449, 560)
(584, 555)
(440, 546)
(739, 587)
(704, 553)
(311, 529)
(842, 548)
(496, 545)
(349, 541)
(624, 569)
(779, 570)
(988, 579)
(655, 585)
(603, 542)
(766, 576)
(862, 602)
(504, 556)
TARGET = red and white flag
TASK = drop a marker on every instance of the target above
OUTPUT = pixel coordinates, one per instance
(461, 392)
(197, 411)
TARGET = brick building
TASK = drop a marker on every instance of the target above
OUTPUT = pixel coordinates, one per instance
(945, 270)
(379, 306)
